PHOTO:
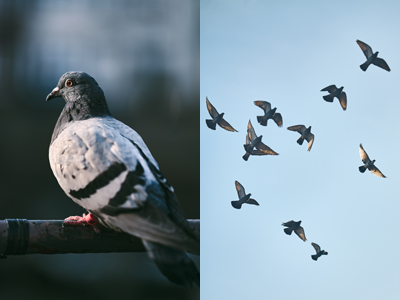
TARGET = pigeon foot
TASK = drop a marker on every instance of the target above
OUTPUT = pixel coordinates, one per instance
(88, 219)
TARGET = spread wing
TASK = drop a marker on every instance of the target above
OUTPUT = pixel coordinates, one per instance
(310, 139)
(330, 89)
(225, 125)
(240, 189)
(300, 233)
(289, 223)
(105, 167)
(250, 131)
(365, 48)
(299, 128)
(363, 155)
(316, 247)
(277, 117)
(264, 105)
(259, 152)
(343, 100)
(381, 63)
(265, 149)
(374, 170)
(211, 109)
(252, 201)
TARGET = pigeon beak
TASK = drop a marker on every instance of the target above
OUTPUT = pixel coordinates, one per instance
(54, 94)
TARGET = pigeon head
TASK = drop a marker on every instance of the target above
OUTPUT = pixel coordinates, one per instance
(82, 95)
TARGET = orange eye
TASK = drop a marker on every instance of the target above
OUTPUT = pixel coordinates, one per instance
(69, 82)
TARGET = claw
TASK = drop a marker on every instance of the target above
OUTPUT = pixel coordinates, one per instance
(88, 219)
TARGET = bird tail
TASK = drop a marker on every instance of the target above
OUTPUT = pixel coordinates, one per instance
(246, 156)
(211, 124)
(288, 231)
(314, 257)
(328, 98)
(175, 264)
(300, 140)
(364, 66)
(362, 169)
(236, 204)
(261, 121)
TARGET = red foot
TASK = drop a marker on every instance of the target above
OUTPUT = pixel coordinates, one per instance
(88, 219)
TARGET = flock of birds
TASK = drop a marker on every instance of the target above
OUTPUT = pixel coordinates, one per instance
(255, 146)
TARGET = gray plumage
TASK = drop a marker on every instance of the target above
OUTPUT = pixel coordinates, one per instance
(217, 118)
(372, 58)
(105, 167)
(335, 92)
(368, 164)
(318, 250)
(294, 226)
(252, 141)
(305, 135)
(268, 114)
(243, 198)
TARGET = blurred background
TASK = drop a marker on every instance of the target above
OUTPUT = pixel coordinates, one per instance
(145, 56)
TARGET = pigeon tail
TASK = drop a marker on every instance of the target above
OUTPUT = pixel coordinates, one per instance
(175, 264)
(236, 204)
(261, 121)
(246, 156)
(364, 66)
(288, 231)
(328, 98)
(362, 169)
(314, 257)
(211, 124)
(300, 140)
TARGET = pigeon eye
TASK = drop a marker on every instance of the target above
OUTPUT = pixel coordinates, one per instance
(69, 82)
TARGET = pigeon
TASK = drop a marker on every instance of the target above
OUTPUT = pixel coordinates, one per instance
(104, 166)
(371, 58)
(292, 225)
(253, 141)
(217, 119)
(335, 92)
(319, 251)
(368, 164)
(243, 198)
(268, 114)
(305, 135)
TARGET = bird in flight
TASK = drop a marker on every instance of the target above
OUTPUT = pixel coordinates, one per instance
(217, 118)
(335, 92)
(305, 135)
(252, 141)
(243, 198)
(318, 250)
(294, 226)
(372, 58)
(368, 164)
(268, 114)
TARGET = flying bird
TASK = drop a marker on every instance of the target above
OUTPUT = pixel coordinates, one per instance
(305, 135)
(318, 250)
(104, 166)
(335, 92)
(371, 57)
(217, 119)
(268, 114)
(243, 198)
(252, 141)
(294, 226)
(368, 164)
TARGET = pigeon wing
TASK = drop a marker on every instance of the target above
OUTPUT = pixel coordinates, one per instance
(330, 89)
(277, 117)
(251, 132)
(300, 233)
(289, 223)
(252, 201)
(265, 149)
(316, 247)
(258, 152)
(240, 189)
(374, 170)
(225, 125)
(299, 128)
(365, 48)
(343, 100)
(264, 105)
(363, 155)
(211, 109)
(105, 167)
(381, 63)
(310, 140)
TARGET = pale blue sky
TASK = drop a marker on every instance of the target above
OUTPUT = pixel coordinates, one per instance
(285, 52)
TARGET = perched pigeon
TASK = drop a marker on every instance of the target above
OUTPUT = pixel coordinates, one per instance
(243, 198)
(319, 251)
(217, 119)
(368, 164)
(305, 135)
(371, 58)
(268, 114)
(253, 141)
(106, 167)
(335, 92)
(292, 225)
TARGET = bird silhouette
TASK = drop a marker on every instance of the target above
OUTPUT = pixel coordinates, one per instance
(295, 226)
(371, 58)
(305, 135)
(368, 164)
(335, 92)
(217, 118)
(243, 198)
(252, 141)
(268, 114)
(318, 250)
